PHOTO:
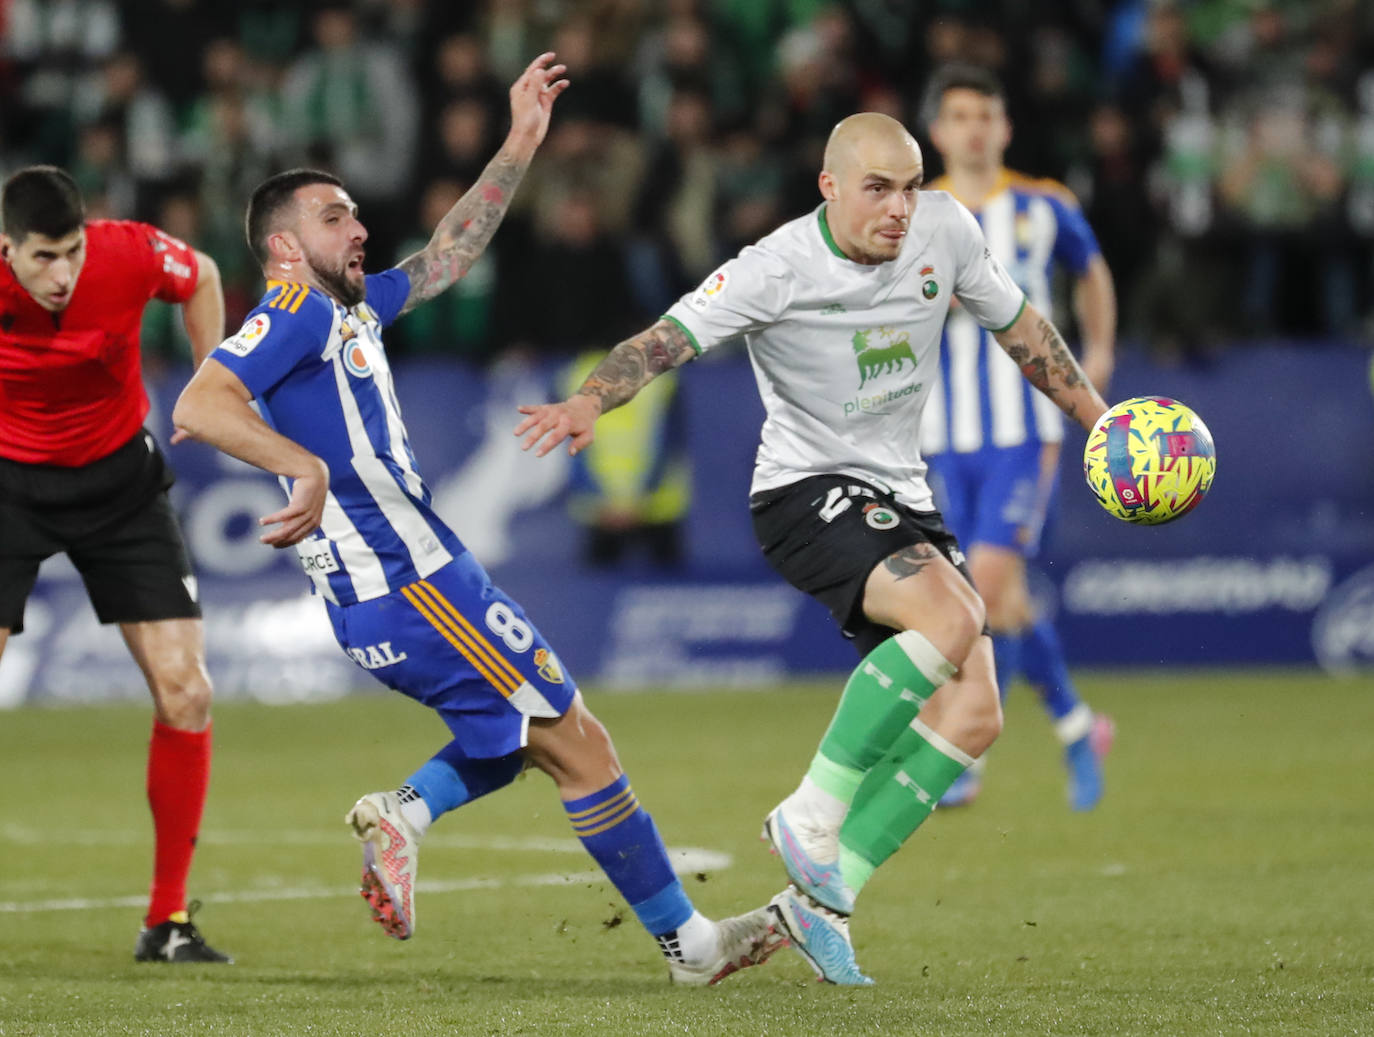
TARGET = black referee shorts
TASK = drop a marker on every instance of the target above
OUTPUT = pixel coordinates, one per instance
(113, 519)
(827, 533)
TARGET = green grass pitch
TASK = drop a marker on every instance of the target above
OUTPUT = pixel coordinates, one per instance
(1225, 886)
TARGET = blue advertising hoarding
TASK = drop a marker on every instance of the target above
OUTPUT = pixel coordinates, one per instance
(1275, 567)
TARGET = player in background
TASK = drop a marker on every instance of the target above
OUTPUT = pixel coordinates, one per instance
(407, 601)
(79, 475)
(992, 444)
(841, 311)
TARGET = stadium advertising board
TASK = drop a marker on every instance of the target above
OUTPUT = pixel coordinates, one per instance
(1273, 568)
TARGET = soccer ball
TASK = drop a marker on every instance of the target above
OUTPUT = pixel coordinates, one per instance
(1149, 460)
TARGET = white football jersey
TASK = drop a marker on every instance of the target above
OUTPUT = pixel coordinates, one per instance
(845, 353)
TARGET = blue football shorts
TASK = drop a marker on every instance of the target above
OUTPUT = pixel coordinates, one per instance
(459, 645)
(994, 496)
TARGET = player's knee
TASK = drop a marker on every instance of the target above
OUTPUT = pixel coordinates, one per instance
(951, 619)
(1003, 615)
(963, 623)
(181, 688)
(1003, 588)
(575, 750)
(980, 720)
(990, 721)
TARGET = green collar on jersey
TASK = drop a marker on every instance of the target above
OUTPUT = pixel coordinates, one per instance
(829, 238)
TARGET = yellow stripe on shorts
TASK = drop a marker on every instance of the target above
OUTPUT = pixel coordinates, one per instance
(498, 681)
(474, 635)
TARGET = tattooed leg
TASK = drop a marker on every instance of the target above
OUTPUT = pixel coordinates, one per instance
(910, 561)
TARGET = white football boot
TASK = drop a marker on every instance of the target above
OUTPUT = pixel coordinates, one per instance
(742, 941)
(390, 852)
(810, 851)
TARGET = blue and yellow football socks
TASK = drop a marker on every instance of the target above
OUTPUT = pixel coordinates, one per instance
(622, 838)
(448, 780)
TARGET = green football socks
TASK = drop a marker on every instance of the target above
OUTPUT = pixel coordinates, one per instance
(895, 796)
(880, 700)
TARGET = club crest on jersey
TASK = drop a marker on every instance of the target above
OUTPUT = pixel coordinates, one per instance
(709, 291)
(886, 355)
(547, 663)
(879, 517)
(930, 287)
(355, 359)
(249, 335)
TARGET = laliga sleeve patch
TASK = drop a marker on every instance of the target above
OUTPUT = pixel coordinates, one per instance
(710, 290)
(249, 335)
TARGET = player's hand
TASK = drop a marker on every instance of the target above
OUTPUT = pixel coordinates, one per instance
(548, 424)
(532, 97)
(179, 435)
(303, 512)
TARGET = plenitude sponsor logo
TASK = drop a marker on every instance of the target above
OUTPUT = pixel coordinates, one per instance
(867, 404)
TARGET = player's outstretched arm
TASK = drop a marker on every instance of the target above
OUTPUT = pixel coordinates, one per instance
(213, 408)
(1044, 358)
(626, 369)
(203, 312)
(463, 233)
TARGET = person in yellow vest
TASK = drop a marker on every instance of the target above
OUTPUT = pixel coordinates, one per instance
(632, 489)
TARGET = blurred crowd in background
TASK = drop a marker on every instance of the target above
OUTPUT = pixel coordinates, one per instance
(1222, 149)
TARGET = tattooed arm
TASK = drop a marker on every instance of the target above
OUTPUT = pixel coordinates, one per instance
(1039, 350)
(463, 234)
(626, 369)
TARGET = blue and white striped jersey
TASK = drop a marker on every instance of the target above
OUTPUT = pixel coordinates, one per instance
(982, 400)
(320, 376)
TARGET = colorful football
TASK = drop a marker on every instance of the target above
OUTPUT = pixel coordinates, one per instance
(1149, 460)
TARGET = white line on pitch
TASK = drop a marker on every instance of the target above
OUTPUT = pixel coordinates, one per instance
(685, 860)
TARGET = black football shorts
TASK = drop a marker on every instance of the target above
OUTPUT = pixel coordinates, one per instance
(113, 519)
(827, 533)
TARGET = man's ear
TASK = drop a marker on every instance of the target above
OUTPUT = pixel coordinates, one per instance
(283, 247)
(827, 184)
